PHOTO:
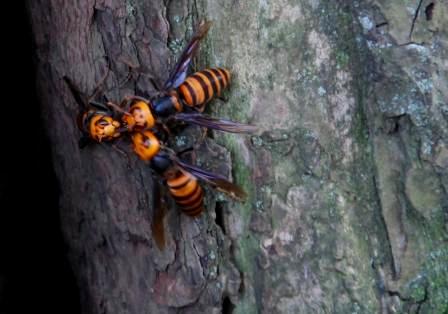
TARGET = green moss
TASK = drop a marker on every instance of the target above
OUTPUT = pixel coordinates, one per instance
(247, 246)
(245, 307)
(237, 106)
(279, 60)
(430, 285)
(342, 59)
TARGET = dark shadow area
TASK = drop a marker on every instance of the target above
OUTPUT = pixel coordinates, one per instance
(227, 306)
(219, 220)
(35, 276)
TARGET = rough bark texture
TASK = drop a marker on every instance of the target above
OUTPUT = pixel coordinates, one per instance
(347, 178)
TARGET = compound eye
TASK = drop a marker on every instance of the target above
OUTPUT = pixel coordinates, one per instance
(103, 122)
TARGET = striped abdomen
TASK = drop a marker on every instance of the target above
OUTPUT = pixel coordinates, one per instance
(202, 86)
(187, 193)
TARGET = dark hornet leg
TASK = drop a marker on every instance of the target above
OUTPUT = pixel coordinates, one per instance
(99, 89)
(133, 68)
(190, 152)
(223, 99)
(100, 86)
(201, 138)
(82, 99)
(121, 151)
(118, 108)
(124, 104)
(129, 75)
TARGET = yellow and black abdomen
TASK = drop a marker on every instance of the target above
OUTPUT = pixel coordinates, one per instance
(187, 193)
(201, 87)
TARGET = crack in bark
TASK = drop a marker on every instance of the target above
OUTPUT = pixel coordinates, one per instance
(419, 303)
(203, 270)
(415, 18)
(381, 24)
(380, 207)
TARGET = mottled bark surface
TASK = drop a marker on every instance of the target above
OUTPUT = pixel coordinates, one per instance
(347, 179)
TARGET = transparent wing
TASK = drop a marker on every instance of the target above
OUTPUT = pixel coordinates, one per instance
(216, 180)
(179, 72)
(215, 123)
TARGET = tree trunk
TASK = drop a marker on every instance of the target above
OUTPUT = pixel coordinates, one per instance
(347, 179)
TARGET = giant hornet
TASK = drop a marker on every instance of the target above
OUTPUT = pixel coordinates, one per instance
(195, 90)
(183, 98)
(96, 121)
(180, 178)
(99, 123)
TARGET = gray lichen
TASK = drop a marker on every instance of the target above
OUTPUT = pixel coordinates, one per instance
(351, 241)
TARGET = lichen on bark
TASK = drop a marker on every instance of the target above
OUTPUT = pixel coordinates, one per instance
(353, 115)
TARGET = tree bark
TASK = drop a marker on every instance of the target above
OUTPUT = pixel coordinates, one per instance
(347, 179)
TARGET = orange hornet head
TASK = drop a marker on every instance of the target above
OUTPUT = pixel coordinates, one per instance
(139, 117)
(146, 145)
(103, 127)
